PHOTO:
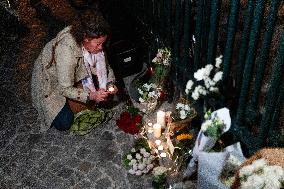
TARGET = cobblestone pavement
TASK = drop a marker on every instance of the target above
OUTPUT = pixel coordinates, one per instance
(30, 159)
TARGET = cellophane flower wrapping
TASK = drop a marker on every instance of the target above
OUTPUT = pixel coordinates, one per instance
(205, 143)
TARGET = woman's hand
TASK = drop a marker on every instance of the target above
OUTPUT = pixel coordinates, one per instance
(98, 96)
(112, 89)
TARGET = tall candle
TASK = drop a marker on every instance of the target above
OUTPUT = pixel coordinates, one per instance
(161, 118)
(157, 130)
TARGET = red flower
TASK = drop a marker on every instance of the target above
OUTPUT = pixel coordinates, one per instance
(137, 118)
(129, 124)
(162, 96)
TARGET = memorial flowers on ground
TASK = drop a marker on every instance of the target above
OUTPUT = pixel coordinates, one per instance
(130, 121)
(148, 93)
(260, 174)
(159, 177)
(139, 160)
(214, 125)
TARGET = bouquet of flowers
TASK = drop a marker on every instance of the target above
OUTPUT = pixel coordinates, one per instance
(139, 160)
(216, 123)
(148, 93)
(163, 57)
(261, 175)
(159, 174)
(162, 66)
(130, 121)
(206, 80)
(182, 115)
(183, 111)
(213, 125)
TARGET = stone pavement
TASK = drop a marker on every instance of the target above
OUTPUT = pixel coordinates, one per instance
(54, 160)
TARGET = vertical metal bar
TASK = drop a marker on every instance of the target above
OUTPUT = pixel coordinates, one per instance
(186, 31)
(197, 35)
(275, 82)
(264, 52)
(168, 12)
(278, 107)
(177, 29)
(250, 60)
(213, 33)
(176, 38)
(231, 32)
(205, 31)
(243, 46)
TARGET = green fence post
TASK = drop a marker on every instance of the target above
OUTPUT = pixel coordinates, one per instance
(231, 32)
(250, 60)
(278, 107)
(275, 83)
(264, 52)
(197, 35)
(213, 33)
(243, 45)
(187, 34)
(176, 42)
(168, 15)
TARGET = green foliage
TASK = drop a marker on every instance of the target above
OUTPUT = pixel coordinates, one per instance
(142, 143)
(85, 121)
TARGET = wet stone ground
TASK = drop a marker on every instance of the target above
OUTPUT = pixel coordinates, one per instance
(30, 159)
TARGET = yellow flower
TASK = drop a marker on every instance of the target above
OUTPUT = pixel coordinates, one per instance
(188, 136)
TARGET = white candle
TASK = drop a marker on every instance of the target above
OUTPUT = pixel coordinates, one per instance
(163, 154)
(160, 147)
(111, 89)
(157, 142)
(157, 130)
(150, 124)
(161, 118)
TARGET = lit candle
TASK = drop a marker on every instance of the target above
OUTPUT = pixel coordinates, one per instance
(157, 142)
(111, 89)
(160, 147)
(150, 124)
(157, 130)
(161, 118)
(163, 154)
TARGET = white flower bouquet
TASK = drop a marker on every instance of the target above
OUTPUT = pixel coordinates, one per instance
(208, 135)
(261, 175)
(139, 161)
(213, 125)
(184, 111)
(206, 80)
(148, 93)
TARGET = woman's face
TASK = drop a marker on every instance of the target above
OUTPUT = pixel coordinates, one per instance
(94, 45)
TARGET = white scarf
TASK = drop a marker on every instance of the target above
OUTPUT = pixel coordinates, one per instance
(94, 60)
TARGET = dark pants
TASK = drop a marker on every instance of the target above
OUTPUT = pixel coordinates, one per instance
(64, 119)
